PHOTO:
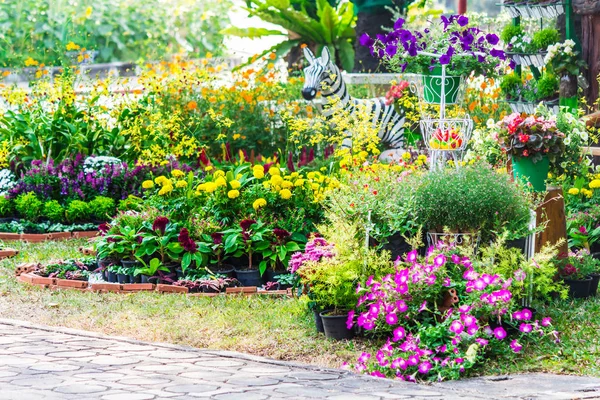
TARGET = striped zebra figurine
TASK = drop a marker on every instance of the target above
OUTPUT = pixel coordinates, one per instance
(322, 75)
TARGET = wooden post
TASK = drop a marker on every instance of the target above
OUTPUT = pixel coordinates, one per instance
(552, 212)
(462, 7)
(590, 41)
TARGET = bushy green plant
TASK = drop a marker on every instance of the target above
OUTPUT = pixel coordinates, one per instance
(6, 206)
(78, 210)
(511, 85)
(547, 87)
(54, 211)
(29, 206)
(510, 31)
(545, 37)
(131, 203)
(474, 198)
(102, 208)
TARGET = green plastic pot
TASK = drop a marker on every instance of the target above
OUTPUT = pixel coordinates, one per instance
(432, 87)
(536, 174)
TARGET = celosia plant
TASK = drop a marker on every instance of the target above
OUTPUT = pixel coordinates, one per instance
(442, 317)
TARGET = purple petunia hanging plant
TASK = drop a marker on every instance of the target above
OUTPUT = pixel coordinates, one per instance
(462, 48)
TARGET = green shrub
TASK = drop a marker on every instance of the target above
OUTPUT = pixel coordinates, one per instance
(78, 210)
(131, 203)
(509, 32)
(54, 211)
(471, 199)
(547, 87)
(29, 206)
(544, 38)
(6, 207)
(102, 208)
(511, 85)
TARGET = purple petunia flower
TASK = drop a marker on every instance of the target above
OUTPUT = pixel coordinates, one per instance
(525, 328)
(462, 20)
(500, 333)
(456, 327)
(425, 367)
(515, 346)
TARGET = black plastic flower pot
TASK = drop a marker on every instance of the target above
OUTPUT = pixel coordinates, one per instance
(249, 277)
(135, 279)
(318, 321)
(335, 326)
(122, 278)
(594, 284)
(271, 276)
(145, 279)
(580, 288)
(596, 255)
(224, 269)
(111, 277)
(179, 272)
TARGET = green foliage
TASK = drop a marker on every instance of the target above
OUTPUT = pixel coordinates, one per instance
(29, 206)
(547, 87)
(54, 211)
(331, 27)
(470, 199)
(118, 30)
(102, 208)
(78, 210)
(6, 207)
(511, 85)
(131, 203)
(545, 37)
(510, 31)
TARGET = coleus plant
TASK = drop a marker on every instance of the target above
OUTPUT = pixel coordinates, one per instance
(283, 244)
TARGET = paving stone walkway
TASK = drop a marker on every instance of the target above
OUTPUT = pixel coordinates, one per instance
(40, 362)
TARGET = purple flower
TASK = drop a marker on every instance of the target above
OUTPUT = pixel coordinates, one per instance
(492, 39)
(445, 59)
(401, 306)
(413, 360)
(377, 374)
(546, 321)
(500, 333)
(399, 23)
(425, 367)
(399, 363)
(160, 224)
(515, 346)
(186, 242)
(527, 315)
(456, 327)
(439, 260)
(462, 20)
(365, 40)
(391, 319)
(482, 342)
(399, 334)
(350, 320)
(411, 256)
(525, 328)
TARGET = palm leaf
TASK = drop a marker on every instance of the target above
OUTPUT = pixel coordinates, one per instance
(280, 50)
(346, 54)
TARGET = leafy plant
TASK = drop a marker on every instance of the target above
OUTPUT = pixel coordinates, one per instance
(278, 254)
(6, 206)
(248, 238)
(511, 85)
(78, 210)
(545, 37)
(331, 27)
(54, 211)
(102, 208)
(29, 206)
(547, 87)
(510, 31)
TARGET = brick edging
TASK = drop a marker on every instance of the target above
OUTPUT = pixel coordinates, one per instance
(43, 237)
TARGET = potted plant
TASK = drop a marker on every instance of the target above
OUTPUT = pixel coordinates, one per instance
(216, 266)
(160, 240)
(276, 257)
(474, 201)
(449, 42)
(575, 270)
(533, 142)
(565, 61)
(248, 239)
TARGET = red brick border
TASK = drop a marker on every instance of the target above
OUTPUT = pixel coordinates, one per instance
(42, 237)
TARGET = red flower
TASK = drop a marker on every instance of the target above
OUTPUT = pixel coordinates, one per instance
(186, 242)
(103, 228)
(160, 224)
(583, 230)
(217, 237)
(280, 233)
(525, 153)
(246, 224)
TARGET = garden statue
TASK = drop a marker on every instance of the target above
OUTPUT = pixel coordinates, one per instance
(322, 75)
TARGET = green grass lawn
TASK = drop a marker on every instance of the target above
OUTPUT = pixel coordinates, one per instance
(272, 327)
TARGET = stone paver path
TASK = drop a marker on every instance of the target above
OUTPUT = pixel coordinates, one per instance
(39, 362)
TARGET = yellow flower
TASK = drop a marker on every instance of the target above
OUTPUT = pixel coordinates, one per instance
(177, 173)
(574, 191)
(299, 182)
(181, 184)
(587, 193)
(422, 158)
(148, 184)
(210, 187)
(258, 203)
(274, 171)
(235, 184)
(406, 155)
(276, 180)
(72, 46)
(160, 180)
(219, 173)
(595, 184)
(208, 168)
(285, 194)
(220, 181)
(165, 190)
(232, 194)
(258, 173)
(30, 62)
(88, 12)
(287, 184)
(549, 175)
(311, 175)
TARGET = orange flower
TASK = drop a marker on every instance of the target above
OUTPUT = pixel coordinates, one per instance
(273, 56)
(192, 105)
(483, 85)
(472, 106)
(303, 45)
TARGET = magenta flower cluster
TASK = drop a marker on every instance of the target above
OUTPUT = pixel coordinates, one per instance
(315, 250)
(430, 340)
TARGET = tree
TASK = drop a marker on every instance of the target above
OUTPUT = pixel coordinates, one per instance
(590, 41)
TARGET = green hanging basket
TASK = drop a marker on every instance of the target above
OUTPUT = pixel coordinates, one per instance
(432, 87)
(528, 172)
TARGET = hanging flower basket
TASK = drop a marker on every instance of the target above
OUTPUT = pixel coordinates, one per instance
(526, 59)
(447, 134)
(544, 9)
(432, 87)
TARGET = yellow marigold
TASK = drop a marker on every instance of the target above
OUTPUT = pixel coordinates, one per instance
(219, 173)
(287, 184)
(595, 184)
(276, 180)
(177, 173)
(210, 187)
(220, 181)
(285, 194)
(258, 203)
(30, 62)
(148, 184)
(232, 194)
(72, 46)
(258, 173)
(166, 189)
(235, 184)
(208, 168)
(311, 175)
(299, 182)
(160, 180)
(422, 158)
(587, 193)
(574, 191)
(181, 184)
(274, 171)
(406, 155)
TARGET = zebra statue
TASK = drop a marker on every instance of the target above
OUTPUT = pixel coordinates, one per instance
(322, 75)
